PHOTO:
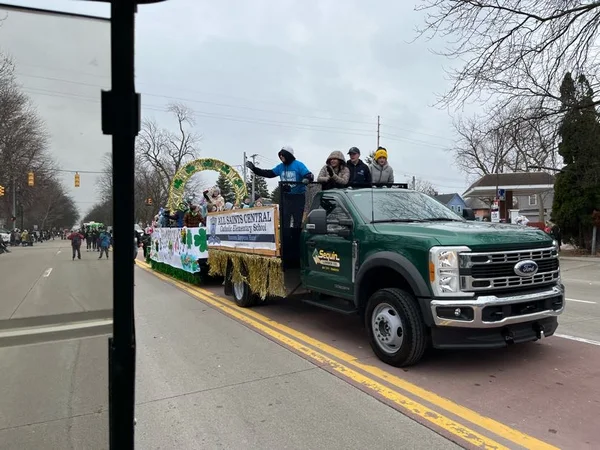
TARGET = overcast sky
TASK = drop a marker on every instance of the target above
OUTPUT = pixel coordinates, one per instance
(259, 74)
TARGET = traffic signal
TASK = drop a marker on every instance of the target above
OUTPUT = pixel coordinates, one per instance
(1, 191)
(149, 201)
(13, 219)
(76, 179)
(30, 179)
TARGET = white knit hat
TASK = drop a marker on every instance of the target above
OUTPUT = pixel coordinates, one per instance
(288, 148)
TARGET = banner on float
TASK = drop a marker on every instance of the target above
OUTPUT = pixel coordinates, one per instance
(249, 230)
(179, 247)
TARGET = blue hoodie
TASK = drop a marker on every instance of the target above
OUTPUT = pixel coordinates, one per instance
(292, 171)
(104, 240)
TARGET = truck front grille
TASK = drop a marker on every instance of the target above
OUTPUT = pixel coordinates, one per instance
(487, 271)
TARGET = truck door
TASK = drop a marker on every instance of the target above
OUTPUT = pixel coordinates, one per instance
(328, 258)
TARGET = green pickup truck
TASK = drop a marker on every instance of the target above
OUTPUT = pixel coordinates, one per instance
(419, 274)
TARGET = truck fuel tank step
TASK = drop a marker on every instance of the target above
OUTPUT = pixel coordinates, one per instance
(331, 303)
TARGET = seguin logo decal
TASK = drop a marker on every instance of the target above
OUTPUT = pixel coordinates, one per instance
(326, 259)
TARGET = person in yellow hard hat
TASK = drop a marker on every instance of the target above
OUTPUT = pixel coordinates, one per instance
(381, 171)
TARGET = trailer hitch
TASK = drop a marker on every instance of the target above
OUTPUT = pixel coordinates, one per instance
(539, 330)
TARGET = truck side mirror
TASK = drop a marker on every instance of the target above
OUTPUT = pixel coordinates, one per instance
(346, 223)
(316, 222)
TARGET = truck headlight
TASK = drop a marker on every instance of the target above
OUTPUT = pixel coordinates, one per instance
(443, 271)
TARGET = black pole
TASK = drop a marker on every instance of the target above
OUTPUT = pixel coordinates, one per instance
(121, 119)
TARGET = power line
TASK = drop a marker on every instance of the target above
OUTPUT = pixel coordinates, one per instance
(210, 93)
(241, 119)
(226, 105)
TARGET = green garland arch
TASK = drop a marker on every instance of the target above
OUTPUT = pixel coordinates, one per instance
(176, 193)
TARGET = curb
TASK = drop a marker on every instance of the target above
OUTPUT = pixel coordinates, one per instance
(592, 259)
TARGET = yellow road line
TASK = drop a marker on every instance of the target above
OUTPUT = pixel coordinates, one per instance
(490, 424)
(466, 434)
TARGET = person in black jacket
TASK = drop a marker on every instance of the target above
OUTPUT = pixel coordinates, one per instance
(359, 171)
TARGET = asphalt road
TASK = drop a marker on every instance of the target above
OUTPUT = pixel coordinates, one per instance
(547, 389)
(203, 379)
(581, 319)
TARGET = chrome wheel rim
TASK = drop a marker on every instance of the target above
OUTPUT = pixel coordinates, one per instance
(388, 329)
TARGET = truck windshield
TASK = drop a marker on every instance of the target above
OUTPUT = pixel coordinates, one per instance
(394, 205)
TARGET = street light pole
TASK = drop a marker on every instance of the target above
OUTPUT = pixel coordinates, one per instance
(253, 177)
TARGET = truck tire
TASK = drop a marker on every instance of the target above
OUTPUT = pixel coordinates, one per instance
(242, 295)
(396, 330)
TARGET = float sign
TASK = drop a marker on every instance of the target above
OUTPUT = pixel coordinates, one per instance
(249, 230)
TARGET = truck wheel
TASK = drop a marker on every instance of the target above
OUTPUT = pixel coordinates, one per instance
(242, 295)
(396, 331)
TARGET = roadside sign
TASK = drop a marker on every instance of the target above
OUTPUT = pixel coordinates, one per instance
(495, 216)
(502, 194)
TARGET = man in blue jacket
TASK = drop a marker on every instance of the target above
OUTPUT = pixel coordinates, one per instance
(294, 195)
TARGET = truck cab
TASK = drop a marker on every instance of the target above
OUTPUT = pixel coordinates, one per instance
(420, 275)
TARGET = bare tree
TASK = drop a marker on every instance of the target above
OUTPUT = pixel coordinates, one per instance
(425, 187)
(167, 151)
(480, 150)
(503, 143)
(24, 148)
(514, 51)
(104, 184)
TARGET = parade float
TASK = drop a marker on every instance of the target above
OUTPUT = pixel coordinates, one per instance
(244, 242)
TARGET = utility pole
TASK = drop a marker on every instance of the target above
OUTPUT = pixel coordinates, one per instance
(378, 127)
(414, 183)
(244, 168)
(253, 177)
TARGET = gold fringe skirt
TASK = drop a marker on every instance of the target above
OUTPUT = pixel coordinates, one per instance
(263, 274)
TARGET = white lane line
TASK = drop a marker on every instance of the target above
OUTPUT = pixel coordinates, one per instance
(581, 301)
(54, 328)
(47, 272)
(578, 339)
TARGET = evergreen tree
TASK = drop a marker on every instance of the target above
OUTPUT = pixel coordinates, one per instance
(260, 187)
(276, 196)
(226, 189)
(577, 187)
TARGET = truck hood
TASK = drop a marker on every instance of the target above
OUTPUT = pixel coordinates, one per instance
(476, 235)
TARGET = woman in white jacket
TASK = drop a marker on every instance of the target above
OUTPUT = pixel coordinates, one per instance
(381, 171)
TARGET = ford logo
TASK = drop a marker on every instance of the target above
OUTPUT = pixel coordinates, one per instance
(527, 268)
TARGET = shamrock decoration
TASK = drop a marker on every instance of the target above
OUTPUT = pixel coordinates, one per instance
(177, 183)
(190, 168)
(188, 239)
(200, 240)
(209, 163)
(239, 183)
(225, 169)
